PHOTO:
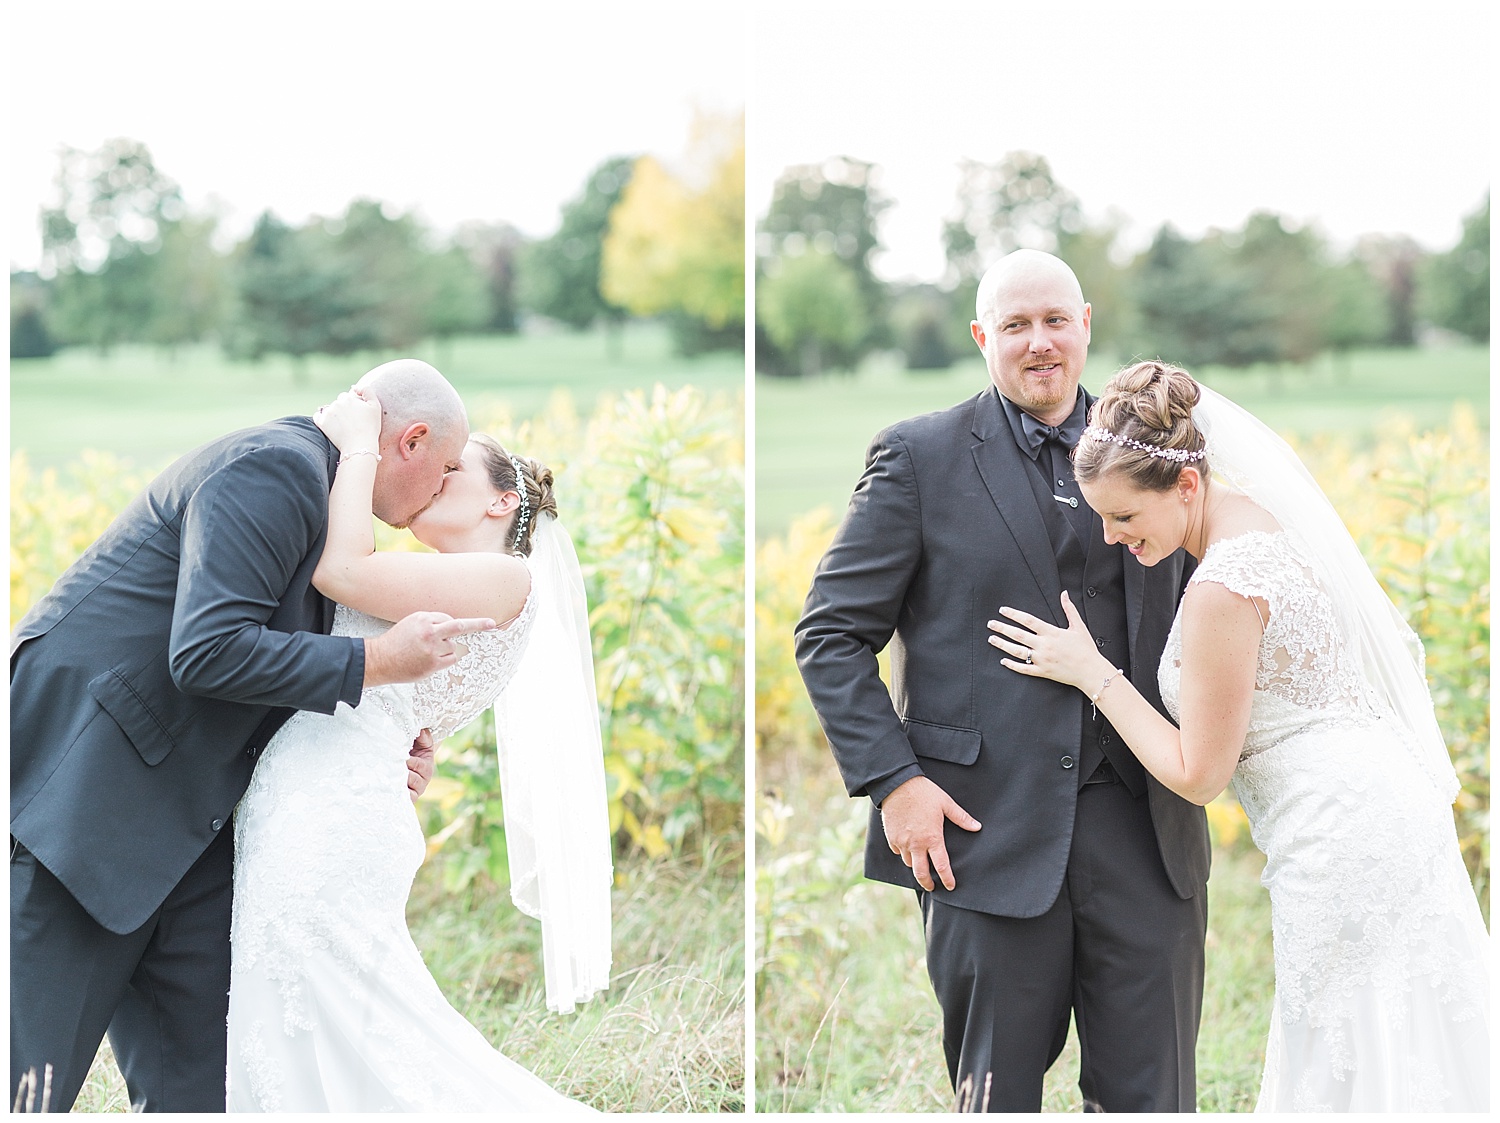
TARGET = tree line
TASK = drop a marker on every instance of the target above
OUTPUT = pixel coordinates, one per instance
(1269, 291)
(124, 260)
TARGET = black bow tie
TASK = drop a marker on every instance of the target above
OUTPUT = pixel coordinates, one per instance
(1067, 434)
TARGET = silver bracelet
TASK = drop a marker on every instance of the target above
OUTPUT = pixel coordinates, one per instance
(359, 452)
(1109, 678)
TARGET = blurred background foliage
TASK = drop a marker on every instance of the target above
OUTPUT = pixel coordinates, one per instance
(126, 262)
(651, 487)
(1270, 291)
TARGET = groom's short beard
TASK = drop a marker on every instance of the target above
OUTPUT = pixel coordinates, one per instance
(413, 516)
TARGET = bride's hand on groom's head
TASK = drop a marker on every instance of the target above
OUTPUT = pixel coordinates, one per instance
(351, 421)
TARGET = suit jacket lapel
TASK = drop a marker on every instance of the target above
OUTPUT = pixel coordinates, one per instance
(1002, 466)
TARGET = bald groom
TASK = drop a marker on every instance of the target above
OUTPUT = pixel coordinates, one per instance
(1055, 878)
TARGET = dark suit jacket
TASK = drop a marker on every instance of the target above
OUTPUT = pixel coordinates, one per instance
(942, 530)
(144, 683)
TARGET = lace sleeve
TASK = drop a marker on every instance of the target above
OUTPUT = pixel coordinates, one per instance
(1240, 565)
(449, 700)
(1303, 659)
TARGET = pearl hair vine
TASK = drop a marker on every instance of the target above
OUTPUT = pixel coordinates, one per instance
(1180, 455)
(524, 515)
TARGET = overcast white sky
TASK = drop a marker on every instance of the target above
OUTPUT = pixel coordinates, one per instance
(1369, 117)
(1362, 117)
(463, 110)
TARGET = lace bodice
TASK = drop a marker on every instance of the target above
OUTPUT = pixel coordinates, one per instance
(449, 700)
(1305, 674)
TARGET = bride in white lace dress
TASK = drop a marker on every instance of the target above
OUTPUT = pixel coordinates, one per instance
(1289, 670)
(331, 1007)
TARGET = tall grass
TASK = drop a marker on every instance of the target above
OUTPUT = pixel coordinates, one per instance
(845, 1015)
(668, 1034)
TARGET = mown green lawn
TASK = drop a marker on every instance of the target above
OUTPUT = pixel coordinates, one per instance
(150, 406)
(811, 435)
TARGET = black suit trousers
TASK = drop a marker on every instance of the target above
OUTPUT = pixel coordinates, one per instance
(1118, 949)
(161, 991)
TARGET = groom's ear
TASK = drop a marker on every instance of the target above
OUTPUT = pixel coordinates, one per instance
(411, 438)
(1088, 311)
(976, 329)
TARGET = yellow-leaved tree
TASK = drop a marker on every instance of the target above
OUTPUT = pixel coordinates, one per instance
(676, 240)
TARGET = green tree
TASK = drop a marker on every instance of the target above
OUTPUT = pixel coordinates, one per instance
(100, 242)
(1195, 307)
(458, 295)
(559, 275)
(1090, 251)
(29, 336)
(828, 208)
(1001, 207)
(812, 309)
(190, 279)
(297, 298)
(1455, 286)
(1357, 311)
(926, 329)
(1285, 265)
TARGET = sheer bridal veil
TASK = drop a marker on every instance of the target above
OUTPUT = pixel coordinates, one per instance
(552, 779)
(1252, 458)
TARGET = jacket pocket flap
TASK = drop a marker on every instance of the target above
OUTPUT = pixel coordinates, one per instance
(131, 714)
(943, 742)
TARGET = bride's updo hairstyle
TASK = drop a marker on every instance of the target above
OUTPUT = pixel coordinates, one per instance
(1148, 404)
(536, 480)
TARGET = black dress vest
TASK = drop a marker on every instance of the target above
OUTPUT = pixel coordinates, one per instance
(1093, 573)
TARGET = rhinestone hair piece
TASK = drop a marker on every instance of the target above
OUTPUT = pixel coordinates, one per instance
(525, 513)
(1180, 455)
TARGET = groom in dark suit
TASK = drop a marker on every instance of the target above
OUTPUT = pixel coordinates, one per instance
(1073, 883)
(142, 688)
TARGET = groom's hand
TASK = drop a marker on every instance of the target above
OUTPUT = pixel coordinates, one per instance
(913, 816)
(420, 764)
(417, 646)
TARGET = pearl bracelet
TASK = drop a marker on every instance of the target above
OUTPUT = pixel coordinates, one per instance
(359, 452)
(1109, 678)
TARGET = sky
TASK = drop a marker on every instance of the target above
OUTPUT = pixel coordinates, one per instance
(488, 111)
(1361, 118)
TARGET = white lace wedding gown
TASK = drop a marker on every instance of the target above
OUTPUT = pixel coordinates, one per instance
(330, 1005)
(1381, 979)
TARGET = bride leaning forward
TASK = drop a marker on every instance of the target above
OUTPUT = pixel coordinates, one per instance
(1290, 673)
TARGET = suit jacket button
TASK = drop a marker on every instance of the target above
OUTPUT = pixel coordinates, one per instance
(1100, 642)
(1105, 738)
(217, 823)
(1093, 592)
(1066, 762)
